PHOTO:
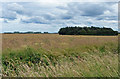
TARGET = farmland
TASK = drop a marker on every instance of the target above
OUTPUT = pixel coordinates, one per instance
(53, 55)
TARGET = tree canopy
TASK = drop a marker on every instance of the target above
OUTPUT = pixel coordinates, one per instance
(87, 31)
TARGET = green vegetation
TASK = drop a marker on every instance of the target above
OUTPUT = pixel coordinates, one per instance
(87, 31)
(54, 55)
(17, 32)
(96, 61)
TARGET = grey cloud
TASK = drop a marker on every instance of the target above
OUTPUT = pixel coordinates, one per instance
(9, 15)
(38, 20)
(87, 9)
(17, 8)
(49, 17)
(62, 7)
(5, 21)
(66, 17)
(107, 18)
(57, 16)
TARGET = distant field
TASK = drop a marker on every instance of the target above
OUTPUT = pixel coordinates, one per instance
(53, 55)
(17, 41)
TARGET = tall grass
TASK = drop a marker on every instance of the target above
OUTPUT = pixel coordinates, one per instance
(94, 61)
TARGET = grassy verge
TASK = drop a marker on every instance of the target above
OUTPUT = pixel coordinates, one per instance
(94, 61)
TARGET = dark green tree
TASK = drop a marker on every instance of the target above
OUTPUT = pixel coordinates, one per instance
(87, 31)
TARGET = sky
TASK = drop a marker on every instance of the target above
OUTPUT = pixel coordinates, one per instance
(51, 16)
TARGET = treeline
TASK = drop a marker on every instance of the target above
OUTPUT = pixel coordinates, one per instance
(87, 31)
(16, 32)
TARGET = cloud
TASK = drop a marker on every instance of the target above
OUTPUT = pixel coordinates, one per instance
(66, 17)
(15, 7)
(38, 20)
(88, 9)
(93, 10)
(49, 16)
(9, 15)
(107, 18)
(5, 21)
(56, 15)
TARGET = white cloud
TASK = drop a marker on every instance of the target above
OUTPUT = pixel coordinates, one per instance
(57, 1)
(48, 16)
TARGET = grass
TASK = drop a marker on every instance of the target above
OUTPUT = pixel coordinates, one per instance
(98, 59)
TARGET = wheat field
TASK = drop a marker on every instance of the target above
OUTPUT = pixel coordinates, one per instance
(53, 55)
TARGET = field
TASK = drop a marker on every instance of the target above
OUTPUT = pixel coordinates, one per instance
(53, 55)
